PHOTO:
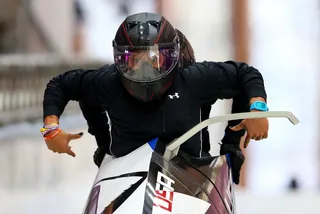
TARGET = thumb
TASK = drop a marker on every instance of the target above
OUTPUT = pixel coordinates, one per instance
(238, 127)
(75, 136)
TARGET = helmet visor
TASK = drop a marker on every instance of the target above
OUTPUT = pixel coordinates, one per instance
(147, 63)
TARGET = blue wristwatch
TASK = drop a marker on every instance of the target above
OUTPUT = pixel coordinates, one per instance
(260, 106)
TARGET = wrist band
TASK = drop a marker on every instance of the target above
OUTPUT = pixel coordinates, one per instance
(52, 134)
(49, 131)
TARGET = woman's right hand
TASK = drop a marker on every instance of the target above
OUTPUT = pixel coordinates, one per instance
(60, 142)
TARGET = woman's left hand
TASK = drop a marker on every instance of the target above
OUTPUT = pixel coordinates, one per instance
(257, 129)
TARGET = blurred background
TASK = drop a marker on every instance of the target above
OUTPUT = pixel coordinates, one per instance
(41, 38)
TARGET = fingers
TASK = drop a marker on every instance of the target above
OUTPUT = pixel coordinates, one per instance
(67, 151)
(70, 152)
(75, 136)
(247, 140)
(60, 143)
(260, 137)
(265, 136)
(256, 137)
(239, 127)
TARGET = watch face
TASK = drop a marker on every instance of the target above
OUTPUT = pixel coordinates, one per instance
(261, 105)
(258, 105)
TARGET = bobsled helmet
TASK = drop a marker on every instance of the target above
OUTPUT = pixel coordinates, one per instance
(187, 57)
(147, 54)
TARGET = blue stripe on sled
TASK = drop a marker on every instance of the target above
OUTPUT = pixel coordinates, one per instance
(153, 143)
(229, 160)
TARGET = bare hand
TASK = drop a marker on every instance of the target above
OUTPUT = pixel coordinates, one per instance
(257, 129)
(60, 143)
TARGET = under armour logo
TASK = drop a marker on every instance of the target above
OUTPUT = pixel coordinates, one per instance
(175, 96)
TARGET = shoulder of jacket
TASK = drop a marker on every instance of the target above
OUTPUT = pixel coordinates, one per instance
(105, 68)
(196, 67)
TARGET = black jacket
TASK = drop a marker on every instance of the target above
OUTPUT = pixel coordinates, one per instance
(133, 122)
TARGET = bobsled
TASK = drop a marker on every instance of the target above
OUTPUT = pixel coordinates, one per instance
(157, 178)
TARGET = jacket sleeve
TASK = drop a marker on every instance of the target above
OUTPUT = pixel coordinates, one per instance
(223, 80)
(74, 85)
(98, 123)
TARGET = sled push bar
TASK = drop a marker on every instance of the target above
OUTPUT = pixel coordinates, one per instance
(173, 148)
